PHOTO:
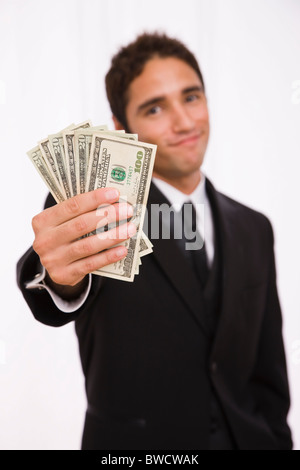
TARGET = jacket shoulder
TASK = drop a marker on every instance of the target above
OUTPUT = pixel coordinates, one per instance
(241, 217)
(238, 208)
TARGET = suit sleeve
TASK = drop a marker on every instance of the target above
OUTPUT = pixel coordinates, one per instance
(39, 300)
(270, 380)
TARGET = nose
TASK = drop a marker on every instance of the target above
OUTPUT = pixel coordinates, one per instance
(182, 121)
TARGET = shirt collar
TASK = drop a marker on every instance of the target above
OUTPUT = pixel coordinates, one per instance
(177, 198)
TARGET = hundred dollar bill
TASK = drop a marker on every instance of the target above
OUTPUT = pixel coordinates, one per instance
(126, 165)
(37, 159)
(82, 148)
(67, 153)
(145, 244)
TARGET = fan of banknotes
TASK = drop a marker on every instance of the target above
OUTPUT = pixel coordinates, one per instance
(83, 157)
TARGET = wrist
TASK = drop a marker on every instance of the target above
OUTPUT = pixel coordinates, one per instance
(67, 292)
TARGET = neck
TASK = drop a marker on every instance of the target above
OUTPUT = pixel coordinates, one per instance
(185, 184)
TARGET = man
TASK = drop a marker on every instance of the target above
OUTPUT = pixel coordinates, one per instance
(175, 360)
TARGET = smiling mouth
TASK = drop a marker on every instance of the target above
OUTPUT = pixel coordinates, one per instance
(189, 140)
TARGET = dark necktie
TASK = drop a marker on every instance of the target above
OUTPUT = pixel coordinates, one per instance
(193, 243)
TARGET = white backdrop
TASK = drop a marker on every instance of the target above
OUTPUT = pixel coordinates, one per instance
(53, 58)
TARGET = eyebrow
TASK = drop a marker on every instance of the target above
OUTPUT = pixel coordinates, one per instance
(158, 99)
(190, 89)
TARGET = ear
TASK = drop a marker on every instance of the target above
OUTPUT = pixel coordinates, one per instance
(117, 124)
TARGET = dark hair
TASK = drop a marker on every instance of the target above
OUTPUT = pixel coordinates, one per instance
(129, 63)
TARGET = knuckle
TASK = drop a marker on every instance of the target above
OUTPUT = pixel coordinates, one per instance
(42, 244)
(36, 245)
(37, 222)
(95, 197)
(88, 265)
(46, 262)
(80, 248)
(72, 206)
(57, 276)
(87, 245)
(79, 226)
(40, 222)
(76, 273)
(34, 223)
(98, 197)
(74, 251)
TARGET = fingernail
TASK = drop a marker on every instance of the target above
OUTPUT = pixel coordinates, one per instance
(125, 211)
(129, 210)
(121, 251)
(131, 230)
(111, 194)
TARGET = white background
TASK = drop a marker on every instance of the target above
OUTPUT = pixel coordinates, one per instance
(53, 58)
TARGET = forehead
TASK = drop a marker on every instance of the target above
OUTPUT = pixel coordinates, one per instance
(162, 77)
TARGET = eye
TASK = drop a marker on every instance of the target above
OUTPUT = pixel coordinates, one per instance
(154, 110)
(193, 97)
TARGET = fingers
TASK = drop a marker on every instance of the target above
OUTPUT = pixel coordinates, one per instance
(79, 269)
(70, 263)
(60, 241)
(94, 220)
(93, 244)
(74, 207)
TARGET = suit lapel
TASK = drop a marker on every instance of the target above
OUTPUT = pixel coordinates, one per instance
(172, 261)
(232, 252)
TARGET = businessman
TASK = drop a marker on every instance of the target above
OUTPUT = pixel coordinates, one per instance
(190, 355)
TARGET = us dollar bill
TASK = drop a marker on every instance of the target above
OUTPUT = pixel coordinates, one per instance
(51, 161)
(82, 148)
(146, 247)
(71, 162)
(57, 147)
(123, 135)
(126, 165)
(70, 157)
(38, 161)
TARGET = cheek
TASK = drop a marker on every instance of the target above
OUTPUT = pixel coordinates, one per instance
(201, 114)
(154, 133)
(205, 116)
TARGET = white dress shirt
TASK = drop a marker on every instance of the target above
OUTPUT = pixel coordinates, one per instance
(66, 306)
(204, 225)
(203, 210)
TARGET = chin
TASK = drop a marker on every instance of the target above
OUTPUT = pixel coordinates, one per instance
(194, 162)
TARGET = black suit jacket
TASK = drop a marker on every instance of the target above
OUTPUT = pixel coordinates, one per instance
(149, 361)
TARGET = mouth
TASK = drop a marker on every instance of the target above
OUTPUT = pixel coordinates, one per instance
(187, 140)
